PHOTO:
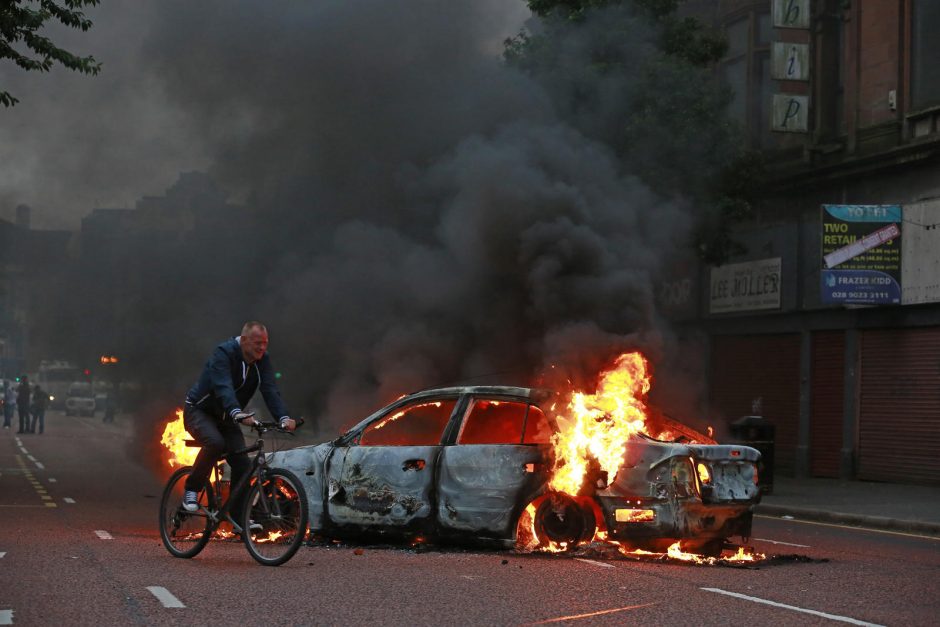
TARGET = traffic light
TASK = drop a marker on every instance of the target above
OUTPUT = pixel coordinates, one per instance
(86, 372)
(277, 375)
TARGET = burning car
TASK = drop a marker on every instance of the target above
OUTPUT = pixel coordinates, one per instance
(498, 464)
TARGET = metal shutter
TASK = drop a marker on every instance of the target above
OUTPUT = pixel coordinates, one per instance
(760, 366)
(828, 386)
(899, 405)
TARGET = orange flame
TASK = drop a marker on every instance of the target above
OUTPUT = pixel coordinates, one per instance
(398, 415)
(174, 439)
(599, 425)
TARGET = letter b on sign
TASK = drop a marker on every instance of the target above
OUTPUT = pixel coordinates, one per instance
(791, 13)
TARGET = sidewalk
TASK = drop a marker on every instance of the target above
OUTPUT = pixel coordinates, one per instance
(897, 507)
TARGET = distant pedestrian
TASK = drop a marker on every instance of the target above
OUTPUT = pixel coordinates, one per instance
(40, 400)
(9, 403)
(109, 407)
(22, 404)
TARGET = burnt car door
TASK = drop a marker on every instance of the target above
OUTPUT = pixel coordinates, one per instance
(498, 462)
(384, 477)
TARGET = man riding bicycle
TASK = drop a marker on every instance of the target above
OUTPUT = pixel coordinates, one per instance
(215, 406)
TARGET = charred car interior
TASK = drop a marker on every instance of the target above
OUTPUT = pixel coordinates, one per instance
(477, 464)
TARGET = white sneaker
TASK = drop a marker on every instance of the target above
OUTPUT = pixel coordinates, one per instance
(191, 501)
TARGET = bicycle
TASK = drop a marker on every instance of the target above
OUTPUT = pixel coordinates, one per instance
(272, 524)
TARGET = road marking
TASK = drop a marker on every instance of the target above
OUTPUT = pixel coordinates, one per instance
(51, 480)
(6, 617)
(50, 504)
(602, 564)
(69, 499)
(31, 458)
(589, 615)
(104, 535)
(25, 452)
(844, 619)
(2, 553)
(40, 466)
(854, 528)
(165, 596)
(804, 546)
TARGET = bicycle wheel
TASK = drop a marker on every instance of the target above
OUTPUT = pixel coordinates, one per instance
(275, 517)
(184, 534)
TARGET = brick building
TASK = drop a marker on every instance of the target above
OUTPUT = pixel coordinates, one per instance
(843, 100)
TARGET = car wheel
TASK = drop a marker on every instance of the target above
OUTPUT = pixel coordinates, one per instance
(561, 519)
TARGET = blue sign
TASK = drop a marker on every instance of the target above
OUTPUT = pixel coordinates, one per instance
(861, 254)
(861, 287)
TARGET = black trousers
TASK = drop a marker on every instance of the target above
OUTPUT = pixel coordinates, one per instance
(216, 436)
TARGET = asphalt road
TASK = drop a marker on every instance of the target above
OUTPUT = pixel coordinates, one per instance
(79, 546)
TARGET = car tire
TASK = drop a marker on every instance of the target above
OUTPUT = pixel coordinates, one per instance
(561, 519)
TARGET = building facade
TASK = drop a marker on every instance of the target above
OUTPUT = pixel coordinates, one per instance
(829, 324)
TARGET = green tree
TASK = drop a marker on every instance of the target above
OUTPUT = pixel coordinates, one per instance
(639, 77)
(21, 41)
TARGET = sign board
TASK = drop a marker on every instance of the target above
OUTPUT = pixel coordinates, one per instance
(920, 254)
(747, 286)
(790, 114)
(790, 62)
(791, 13)
(861, 254)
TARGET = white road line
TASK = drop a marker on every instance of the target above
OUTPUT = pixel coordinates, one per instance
(581, 559)
(50, 480)
(40, 466)
(6, 617)
(844, 619)
(31, 458)
(2, 553)
(804, 546)
(165, 596)
(104, 535)
(25, 452)
(69, 499)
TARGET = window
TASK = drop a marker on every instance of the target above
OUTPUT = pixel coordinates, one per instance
(493, 422)
(537, 428)
(418, 424)
(746, 70)
(925, 53)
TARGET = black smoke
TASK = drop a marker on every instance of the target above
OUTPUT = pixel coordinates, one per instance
(405, 210)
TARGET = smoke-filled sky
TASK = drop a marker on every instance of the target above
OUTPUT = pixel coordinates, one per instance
(186, 86)
(429, 217)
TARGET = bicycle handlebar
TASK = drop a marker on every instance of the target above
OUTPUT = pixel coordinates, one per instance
(262, 427)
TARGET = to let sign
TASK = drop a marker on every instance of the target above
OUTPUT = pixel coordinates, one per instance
(791, 13)
(747, 286)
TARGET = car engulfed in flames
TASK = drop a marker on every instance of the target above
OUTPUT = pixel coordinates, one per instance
(532, 469)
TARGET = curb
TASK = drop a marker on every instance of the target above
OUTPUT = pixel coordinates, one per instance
(854, 520)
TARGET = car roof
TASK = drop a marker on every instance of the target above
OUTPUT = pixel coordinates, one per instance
(534, 395)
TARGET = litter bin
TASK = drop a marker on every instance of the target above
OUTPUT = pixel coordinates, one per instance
(756, 432)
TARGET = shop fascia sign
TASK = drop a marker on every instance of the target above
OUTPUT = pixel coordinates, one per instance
(747, 286)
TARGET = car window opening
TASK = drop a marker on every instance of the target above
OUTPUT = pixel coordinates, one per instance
(420, 424)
